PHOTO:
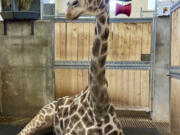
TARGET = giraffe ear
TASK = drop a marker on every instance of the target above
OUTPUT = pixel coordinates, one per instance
(120, 9)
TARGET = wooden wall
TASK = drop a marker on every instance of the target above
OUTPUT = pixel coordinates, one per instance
(175, 106)
(127, 41)
(175, 82)
(175, 41)
(127, 88)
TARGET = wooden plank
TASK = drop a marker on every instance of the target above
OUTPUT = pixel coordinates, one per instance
(92, 31)
(74, 43)
(115, 41)
(144, 88)
(80, 41)
(110, 43)
(86, 41)
(137, 88)
(131, 87)
(62, 41)
(132, 47)
(138, 42)
(120, 45)
(149, 38)
(70, 81)
(178, 38)
(57, 42)
(127, 37)
(69, 42)
(124, 45)
(175, 57)
(175, 106)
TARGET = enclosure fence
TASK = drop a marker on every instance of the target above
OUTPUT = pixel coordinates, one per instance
(129, 66)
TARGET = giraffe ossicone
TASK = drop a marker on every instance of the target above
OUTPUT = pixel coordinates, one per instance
(89, 112)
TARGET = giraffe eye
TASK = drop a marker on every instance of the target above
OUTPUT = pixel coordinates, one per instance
(75, 3)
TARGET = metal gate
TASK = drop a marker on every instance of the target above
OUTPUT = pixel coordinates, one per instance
(175, 69)
(129, 66)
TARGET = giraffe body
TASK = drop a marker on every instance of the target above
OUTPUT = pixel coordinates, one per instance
(90, 112)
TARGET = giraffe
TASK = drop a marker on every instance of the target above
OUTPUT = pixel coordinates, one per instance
(89, 112)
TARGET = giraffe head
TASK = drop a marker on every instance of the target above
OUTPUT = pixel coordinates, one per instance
(77, 8)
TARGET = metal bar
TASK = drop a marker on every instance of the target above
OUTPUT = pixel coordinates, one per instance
(175, 68)
(41, 9)
(107, 67)
(175, 75)
(170, 55)
(109, 63)
(113, 20)
(147, 11)
(153, 46)
(175, 6)
(153, 57)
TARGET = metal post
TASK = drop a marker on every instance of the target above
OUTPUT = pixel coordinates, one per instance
(41, 8)
(141, 12)
(153, 55)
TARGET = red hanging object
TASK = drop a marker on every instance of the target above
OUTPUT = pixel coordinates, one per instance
(121, 9)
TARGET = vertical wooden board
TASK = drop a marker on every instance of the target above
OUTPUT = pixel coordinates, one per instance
(127, 36)
(69, 42)
(110, 43)
(57, 42)
(85, 78)
(80, 41)
(63, 87)
(92, 32)
(131, 87)
(112, 86)
(74, 81)
(178, 39)
(62, 42)
(125, 87)
(132, 47)
(144, 88)
(175, 106)
(80, 79)
(123, 42)
(115, 41)
(74, 41)
(70, 81)
(144, 38)
(86, 41)
(137, 88)
(120, 44)
(138, 41)
(149, 38)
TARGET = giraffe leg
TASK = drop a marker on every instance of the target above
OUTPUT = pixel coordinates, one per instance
(43, 120)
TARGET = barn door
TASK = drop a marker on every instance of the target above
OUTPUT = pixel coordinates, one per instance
(175, 71)
(128, 66)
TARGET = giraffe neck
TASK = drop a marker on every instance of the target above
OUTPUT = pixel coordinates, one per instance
(97, 80)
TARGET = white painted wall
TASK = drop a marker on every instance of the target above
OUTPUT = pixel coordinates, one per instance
(61, 6)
